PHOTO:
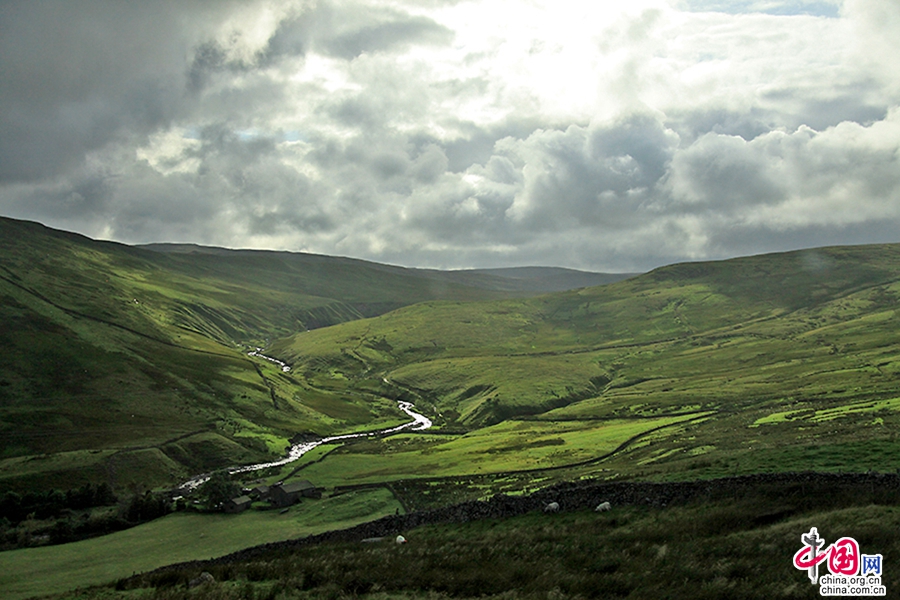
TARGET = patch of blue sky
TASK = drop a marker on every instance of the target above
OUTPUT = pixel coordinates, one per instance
(816, 8)
(247, 135)
(191, 133)
(293, 136)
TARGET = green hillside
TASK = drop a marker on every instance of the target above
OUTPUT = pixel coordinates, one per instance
(129, 365)
(777, 362)
(711, 549)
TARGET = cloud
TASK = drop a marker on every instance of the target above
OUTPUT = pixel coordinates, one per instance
(398, 33)
(456, 133)
(64, 91)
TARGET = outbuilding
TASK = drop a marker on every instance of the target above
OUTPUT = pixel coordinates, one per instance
(260, 492)
(236, 505)
(287, 494)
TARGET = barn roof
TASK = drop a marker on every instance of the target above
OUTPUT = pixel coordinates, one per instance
(297, 486)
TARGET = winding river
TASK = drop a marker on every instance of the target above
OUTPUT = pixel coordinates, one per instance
(418, 423)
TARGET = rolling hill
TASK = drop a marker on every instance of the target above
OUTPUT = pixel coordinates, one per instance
(129, 364)
(765, 363)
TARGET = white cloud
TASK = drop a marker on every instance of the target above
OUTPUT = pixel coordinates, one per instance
(597, 135)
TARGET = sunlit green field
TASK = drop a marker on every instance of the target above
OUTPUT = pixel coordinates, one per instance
(509, 446)
(176, 538)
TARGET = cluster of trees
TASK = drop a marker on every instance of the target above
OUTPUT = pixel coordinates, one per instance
(50, 504)
(146, 507)
(38, 517)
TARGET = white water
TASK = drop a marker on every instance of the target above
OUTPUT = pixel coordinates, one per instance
(258, 353)
(419, 423)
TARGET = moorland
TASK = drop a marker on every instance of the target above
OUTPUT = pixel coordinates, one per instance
(129, 367)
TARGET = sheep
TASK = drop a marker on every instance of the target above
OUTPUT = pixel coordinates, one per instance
(401, 539)
(603, 507)
(553, 507)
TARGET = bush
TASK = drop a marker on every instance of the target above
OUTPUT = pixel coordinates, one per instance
(147, 507)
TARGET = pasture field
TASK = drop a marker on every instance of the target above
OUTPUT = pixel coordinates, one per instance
(176, 538)
(509, 446)
(722, 547)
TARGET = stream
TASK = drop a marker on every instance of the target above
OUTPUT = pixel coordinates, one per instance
(258, 353)
(418, 423)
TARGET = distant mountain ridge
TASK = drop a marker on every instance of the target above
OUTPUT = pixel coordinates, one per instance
(504, 279)
(539, 279)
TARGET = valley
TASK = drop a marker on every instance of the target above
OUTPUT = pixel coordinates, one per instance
(144, 368)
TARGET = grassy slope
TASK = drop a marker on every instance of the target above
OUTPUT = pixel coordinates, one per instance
(110, 350)
(795, 354)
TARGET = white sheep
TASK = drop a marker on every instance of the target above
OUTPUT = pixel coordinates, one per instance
(603, 507)
(401, 539)
(553, 507)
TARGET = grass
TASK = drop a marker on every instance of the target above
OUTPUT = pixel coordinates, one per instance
(706, 549)
(767, 336)
(108, 346)
(175, 538)
(828, 414)
(792, 379)
(509, 446)
(127, 364)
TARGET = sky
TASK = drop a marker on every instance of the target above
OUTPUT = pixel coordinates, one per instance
(597, 135)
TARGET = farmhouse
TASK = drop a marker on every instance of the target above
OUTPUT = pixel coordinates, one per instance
(236, 505)
(287, 494)
(260, 492)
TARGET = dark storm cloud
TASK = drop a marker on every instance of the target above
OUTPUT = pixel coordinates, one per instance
(347, 30)
(75, 75)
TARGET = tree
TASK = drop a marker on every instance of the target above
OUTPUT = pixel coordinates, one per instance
(146, 507)
(218, 490)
